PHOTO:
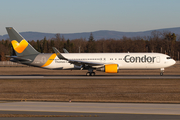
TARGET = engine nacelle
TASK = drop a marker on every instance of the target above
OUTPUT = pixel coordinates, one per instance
(109, 68)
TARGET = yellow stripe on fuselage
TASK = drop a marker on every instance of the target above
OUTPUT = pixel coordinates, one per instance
(50, 60)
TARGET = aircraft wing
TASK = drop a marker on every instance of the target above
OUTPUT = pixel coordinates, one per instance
(77, 62)
(84, 63)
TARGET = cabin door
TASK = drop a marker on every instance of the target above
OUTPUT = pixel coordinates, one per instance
(157, 59)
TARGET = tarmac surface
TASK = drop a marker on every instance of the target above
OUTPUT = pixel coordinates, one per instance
(127, 108)
(89, 77)
(91, 116)
(104, 111)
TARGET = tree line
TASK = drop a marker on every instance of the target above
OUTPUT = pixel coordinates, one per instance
(165, 42)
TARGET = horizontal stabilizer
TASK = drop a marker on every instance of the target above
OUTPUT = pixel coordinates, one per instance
(15, 58)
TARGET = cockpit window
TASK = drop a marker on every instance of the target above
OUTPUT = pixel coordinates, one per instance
(168, 58)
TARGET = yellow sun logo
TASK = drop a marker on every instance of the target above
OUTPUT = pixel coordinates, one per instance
(19, 47)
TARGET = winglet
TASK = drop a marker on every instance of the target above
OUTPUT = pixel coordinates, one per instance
(59, 54)
(65, 51)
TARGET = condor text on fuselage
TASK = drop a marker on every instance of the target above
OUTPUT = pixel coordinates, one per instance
(137, 59)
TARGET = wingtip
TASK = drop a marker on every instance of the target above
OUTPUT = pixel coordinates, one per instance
(55, 50)
(58, 54)
(9, 27)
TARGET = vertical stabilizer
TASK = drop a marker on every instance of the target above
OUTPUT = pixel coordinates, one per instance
(20, 45)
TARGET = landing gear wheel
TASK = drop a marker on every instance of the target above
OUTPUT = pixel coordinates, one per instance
(88, 74)
(93, 74)
(161, 73)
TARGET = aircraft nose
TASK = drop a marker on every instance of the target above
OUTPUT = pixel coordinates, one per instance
(173, 62)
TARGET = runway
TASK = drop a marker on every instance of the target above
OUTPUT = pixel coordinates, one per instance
(77, 107)
(106, 110)
(89, 77)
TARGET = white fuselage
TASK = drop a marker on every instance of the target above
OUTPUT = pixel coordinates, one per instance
(124, 60)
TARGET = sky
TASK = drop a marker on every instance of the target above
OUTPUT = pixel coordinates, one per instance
(76, 16)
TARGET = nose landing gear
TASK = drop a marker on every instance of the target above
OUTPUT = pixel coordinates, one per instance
(162, 71)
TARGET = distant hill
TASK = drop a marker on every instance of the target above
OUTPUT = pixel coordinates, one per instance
(97, 34)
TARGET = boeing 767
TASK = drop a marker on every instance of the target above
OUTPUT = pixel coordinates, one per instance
(105, 62)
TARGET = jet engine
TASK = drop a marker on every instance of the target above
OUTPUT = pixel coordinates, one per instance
(109, 68)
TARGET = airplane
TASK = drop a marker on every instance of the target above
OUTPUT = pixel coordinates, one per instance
(105, 62)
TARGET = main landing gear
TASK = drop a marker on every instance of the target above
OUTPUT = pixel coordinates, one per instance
(162, 71)
(90, 73)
